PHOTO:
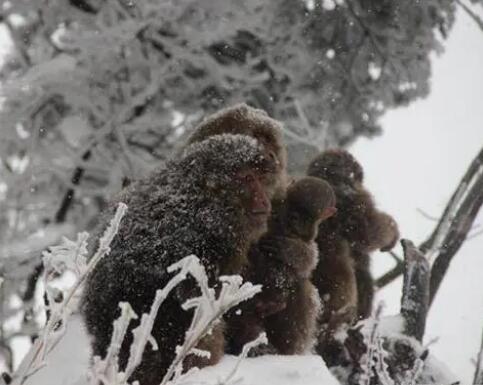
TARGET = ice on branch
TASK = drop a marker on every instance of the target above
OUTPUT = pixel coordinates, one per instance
(70, 255)
(208, 310)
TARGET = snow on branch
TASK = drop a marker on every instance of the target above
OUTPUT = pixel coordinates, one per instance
(208, 310)
(72, 256)
(452, 229)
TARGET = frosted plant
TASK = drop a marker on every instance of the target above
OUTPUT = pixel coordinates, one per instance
(72, 256)
(208, 309)
(374, 360)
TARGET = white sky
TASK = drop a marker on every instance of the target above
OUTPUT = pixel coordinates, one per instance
(417, 163)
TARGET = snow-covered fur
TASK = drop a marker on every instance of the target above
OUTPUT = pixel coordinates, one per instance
(283, 261)
(190, 207)
(245, 120)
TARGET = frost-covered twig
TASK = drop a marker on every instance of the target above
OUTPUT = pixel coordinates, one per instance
(71, 254)
(413, 375)
(367, 360)
(106, 371)
(208, 310)
(260, 340)
(382, 369)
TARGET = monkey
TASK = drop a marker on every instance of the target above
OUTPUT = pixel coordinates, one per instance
(345, 241)
(283, 261)
(245, 120)
(213, 200)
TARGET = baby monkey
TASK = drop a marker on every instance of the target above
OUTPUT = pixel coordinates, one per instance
(283, 261)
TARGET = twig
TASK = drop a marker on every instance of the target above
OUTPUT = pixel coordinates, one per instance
(478, 378)
(207, 310)
(260, 340)
(426, 215)
(471, 14)
(34, 360)
(367, 360)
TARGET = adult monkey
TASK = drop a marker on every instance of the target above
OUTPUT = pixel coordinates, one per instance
(212, 201)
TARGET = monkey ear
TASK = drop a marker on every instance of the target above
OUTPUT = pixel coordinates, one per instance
(328, 212)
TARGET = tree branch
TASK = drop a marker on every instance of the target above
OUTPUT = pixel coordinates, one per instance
(415, 297)
(478, 378)
(452, 228)
(471, 14)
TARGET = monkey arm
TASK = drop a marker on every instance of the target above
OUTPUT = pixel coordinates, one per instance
(366, 228)
(386, 231)
(365, 284)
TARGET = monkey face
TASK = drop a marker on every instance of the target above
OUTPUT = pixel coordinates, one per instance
(253, 197)
(309, 202)
(242, 119)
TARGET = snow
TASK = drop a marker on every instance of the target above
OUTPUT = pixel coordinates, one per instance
(280, 370)
(69, 361)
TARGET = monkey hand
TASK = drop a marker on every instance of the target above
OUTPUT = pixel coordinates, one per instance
(391, 233)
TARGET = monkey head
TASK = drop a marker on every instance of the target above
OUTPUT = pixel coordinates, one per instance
(244, 120)
(233, 173)
(309, 201)
(338, 167)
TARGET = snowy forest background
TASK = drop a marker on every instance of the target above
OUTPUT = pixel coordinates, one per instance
(96, 92)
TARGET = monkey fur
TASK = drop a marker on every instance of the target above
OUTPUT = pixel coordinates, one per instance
(245, 120)
(283, 261)
(202, 203)
(343, 274)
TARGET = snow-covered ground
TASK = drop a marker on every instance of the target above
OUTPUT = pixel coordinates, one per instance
(416, 164)
(69, 362)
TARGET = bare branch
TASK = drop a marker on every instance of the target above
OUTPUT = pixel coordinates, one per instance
(452, 228)
(478, 378)
(471, 14)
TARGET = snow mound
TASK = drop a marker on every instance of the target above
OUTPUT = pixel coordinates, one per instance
(280, 370)
(68, 365)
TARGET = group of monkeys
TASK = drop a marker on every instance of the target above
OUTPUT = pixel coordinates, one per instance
(226, 197)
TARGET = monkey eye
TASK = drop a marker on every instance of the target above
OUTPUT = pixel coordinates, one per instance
(268, 165)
